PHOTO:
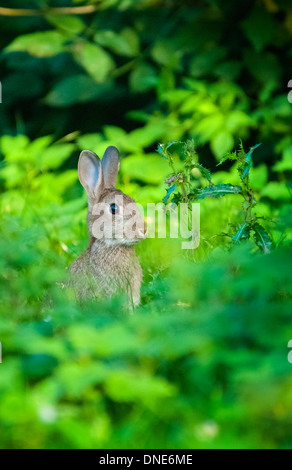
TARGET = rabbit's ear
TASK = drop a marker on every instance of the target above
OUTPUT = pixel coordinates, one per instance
(90, 174)
(110, 166)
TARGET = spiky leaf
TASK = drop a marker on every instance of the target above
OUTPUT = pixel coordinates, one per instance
(168, 193)
(193, 194)
(228, 156)
(219, 190)
(172, 147)
(262, 238)
(247, 163)
(242, 233)
(177, 198)
(204, 171)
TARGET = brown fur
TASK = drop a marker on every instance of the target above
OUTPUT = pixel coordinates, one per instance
(107, 266)
(114, 268)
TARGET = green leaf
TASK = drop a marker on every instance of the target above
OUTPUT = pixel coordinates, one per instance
(75, 89)
(229, 70)
(218, 190)
(205, 62)
(237, 121)
(116, 136)
(228, 156)
(44, 44)
(38, 365)
(243, 232)
(69, 23)
(90, 141)
(258, 177)
(259, 28)
(262, 238)
(264, 66)
(286, 163)
(166, 54)
(209, 126)
(204, 171)
(54, 156)
(247, 163)
(172, 148)
(14, 148)
(129, 37)
(95, 60)
(19, 86)
(147, 168)
(126, 43)
(127, 386)
(276, 191)
(145, 136)
(143, 78)
(74, 379)
(248, 160)
(222, 143)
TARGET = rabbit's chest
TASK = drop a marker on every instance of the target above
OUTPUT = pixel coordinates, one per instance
(114, 269)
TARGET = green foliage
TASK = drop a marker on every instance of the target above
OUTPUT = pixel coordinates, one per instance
(96, 61)
(44, 44)
(76, 89)
(262, 238)
(245, 160)
(200, 78)
(126, 43)
(218, 190)
(191, 191)
(203, 361)
(243, 232)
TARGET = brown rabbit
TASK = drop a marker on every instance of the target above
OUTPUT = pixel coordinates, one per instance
(115, 225)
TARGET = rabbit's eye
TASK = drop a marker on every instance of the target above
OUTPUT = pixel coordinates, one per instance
(114, 208)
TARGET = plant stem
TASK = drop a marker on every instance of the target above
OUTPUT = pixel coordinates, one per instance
(82, 10)
(184, 192)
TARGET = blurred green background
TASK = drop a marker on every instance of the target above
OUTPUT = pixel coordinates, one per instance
(203, 362)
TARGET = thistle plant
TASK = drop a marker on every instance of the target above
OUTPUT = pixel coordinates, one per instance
(181, 187)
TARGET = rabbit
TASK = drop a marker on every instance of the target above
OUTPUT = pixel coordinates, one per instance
(115, 225)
